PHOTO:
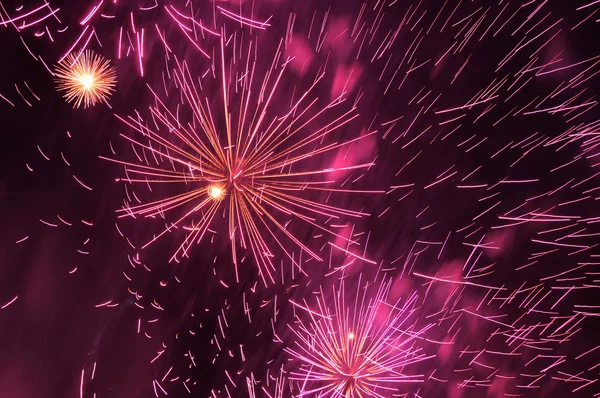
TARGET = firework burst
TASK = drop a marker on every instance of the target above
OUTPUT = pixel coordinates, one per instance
(256, 166)
(86, 79)
(360, 350)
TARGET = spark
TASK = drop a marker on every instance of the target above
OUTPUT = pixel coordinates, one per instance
(86, 79)
(216, 191)
(9, 303)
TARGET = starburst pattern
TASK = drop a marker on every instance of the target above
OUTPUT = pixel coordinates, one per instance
(359, 350)
(257, 165)
(86, 79)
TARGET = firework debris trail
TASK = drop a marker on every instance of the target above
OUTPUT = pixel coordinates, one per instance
(490, 84)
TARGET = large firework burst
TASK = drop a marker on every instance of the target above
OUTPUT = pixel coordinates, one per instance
(359, 350)
(257, 165)
(86, 79)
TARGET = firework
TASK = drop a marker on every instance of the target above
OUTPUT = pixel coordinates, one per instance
(489, 148)
(359, 350)
(86, 79)
(256, 165)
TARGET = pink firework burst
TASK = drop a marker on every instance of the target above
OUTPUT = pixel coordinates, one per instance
(361, 348)
(234, 148)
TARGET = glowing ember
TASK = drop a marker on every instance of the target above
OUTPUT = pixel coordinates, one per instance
(85, 78)
(216, 192)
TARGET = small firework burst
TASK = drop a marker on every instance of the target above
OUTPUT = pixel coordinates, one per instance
(86, 79)
(363, 350)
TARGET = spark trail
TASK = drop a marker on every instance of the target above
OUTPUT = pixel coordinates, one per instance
(257, 165)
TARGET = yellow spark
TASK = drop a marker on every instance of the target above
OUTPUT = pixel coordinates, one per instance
(216, 191)
(85, 78)
(87, 82)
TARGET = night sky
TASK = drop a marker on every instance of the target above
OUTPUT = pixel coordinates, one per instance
(474, 134)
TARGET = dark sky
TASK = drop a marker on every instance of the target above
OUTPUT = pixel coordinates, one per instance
(54, 335)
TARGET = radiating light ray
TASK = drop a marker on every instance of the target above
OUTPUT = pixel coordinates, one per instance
(245, 167)
(86, 79)
(351, 350)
